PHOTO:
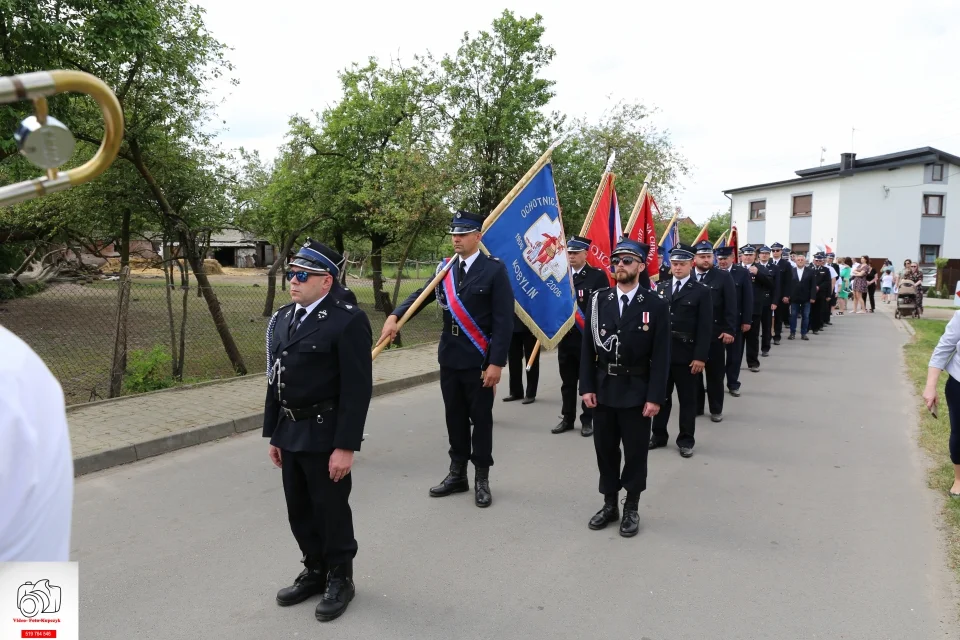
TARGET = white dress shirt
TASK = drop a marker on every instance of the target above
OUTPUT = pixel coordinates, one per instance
(629, 295)
(470, 260)
(945, 355)
(36, 461)
(800, 273)
(683, 283)
(309, 309)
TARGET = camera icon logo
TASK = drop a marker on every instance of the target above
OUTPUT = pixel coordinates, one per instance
(34, 598)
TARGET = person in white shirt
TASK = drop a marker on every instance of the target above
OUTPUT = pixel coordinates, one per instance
(945, 357)
(36, 460)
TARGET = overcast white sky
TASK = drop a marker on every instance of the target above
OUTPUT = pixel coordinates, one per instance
(750, 91)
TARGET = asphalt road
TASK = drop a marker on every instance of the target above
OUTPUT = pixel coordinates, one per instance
(804, 514)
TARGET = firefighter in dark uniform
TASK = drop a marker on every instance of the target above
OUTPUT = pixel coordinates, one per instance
(820, 309)
(784, 268)
(723, 295)
(741, 278)
(470, 364)
(623, 376)
(586, 280)
(762, 282)
(320, 381)
(768, 311)
(691, 323)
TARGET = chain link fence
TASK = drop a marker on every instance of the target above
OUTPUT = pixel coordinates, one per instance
(73, 326)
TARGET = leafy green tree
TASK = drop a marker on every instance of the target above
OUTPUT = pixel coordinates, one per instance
(495, 96)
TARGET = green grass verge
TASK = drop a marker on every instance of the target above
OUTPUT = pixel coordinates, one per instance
(72, 328)
(935, 433)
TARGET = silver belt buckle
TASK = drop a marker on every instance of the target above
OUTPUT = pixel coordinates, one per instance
(289, 414)
(454, 329)
(610, 366)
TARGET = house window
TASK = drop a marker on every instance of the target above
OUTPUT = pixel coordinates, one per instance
(758, 210)
(800, 247)
(802, 205)
(929, 253)
(936, 174)
(932, 205)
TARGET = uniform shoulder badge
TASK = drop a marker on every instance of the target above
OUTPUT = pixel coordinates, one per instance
(494, 258)
(322, 314)
(347, 306)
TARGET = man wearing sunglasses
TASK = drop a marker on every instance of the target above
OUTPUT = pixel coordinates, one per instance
(320, 383)
(623, 378)
(726, 317)
(474, 345)
(784, 269)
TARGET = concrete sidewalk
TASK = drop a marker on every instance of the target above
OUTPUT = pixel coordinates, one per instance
(114, 432)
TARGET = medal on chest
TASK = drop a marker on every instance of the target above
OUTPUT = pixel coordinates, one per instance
(646, 321)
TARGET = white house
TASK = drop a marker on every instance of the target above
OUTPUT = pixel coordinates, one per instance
(892, 206)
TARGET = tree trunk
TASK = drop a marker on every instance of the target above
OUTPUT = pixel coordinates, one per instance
(125, 239)
(185, 288)
(338, 242)
(189, 253)
(381, 300)
(400, 265)
(119, 364)
(168, 278)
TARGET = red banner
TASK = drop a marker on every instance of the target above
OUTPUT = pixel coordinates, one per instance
(604, 229)
(734, 242)
(643, 231)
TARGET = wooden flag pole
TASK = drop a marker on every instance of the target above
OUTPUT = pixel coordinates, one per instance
(592, 211)
(635, 214)
(670, 224)
(527, 177)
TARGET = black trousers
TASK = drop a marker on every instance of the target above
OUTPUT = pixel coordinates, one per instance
(871, 289)
(734, 355)
(828, 307)
(686, 384)
(521, 347)
(570, 378)
(464, 399)
(781, 317)
(751, 338)
(816, 313)
(611, 427)
(318, 508)
(715, 370)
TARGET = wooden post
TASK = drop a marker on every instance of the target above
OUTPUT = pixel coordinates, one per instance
(118, 366)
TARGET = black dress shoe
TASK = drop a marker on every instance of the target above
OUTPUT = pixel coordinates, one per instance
(309, 583)
(338, 594)
(609, 513)
(754, 367)
(563, 426)
(686, 452)
(656, 444)
(816, 332)
(765, 354)
(735, 393)
(804, 338)
(776, 341)
(455, 482)
(481, 482)
(512, 398)
(716, 417)
(630, 524)
(586, 430)
(792, 336)
(529, 400)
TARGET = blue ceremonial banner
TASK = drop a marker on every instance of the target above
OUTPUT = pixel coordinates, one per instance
(527, 235)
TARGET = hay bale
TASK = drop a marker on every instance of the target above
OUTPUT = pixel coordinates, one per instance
(212, 268)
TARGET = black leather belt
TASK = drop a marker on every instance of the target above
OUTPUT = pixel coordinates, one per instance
(642, 370)
(682, 336)
(313, 411)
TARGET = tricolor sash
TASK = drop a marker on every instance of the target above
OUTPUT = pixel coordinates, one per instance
(580, 319)
(460, 314)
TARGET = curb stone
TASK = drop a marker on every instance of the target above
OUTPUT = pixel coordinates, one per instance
(208, 433)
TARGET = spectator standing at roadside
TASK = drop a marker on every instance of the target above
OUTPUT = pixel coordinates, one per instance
(871, 280)
(946, 358)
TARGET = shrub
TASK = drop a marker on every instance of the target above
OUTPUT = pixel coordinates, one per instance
(10, 292)
(148, 371)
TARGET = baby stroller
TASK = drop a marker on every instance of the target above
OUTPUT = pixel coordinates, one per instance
(907, 303)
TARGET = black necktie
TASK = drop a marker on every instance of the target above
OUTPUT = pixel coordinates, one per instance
(297, 319)
(461, 276)
(625, 299)
(677, 289)
(700, 277)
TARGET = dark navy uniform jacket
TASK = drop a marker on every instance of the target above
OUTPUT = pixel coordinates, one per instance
(645, 352)
(741, 279)
(764, 287)
(776, 279)
(723, 293)
(824, 275)
(324, 369)
(487, 295)
(785, 268)
(691, 320)
(589, 279)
